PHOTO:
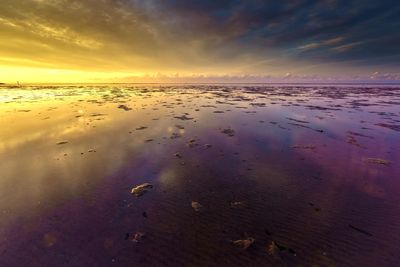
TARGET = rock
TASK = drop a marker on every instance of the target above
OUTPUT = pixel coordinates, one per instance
(192, 143)
(137, 237)
(274, 247)
(196, 206)
(183, 117)
(228, 132)
(124, 107)
(141, 189)
(62, 143)
(141, 128)
(175, 135)
(244, 243)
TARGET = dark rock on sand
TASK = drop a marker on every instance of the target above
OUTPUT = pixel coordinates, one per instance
(141, 128)
(124, 107)
(62, 143)
(228, 132)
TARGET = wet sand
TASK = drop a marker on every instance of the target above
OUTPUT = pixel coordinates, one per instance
(239, 175)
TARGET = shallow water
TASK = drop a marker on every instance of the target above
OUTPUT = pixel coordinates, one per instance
(313, 170)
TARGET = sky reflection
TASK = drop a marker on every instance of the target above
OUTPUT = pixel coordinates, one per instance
(296, 160)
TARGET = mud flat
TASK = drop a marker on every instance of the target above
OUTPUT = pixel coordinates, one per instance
(199, 175)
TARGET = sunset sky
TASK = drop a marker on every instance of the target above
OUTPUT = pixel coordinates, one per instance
(198, 41)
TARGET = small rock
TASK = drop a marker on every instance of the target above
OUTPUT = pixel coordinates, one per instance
(175, 136)
(137, 237)
(196, 206)
(244, 243)
(62, 143)
(124, 107)
(274, 247)
(141, 128)
(141, 189)
(228, 132)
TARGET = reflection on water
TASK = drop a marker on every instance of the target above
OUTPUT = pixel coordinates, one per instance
(309, 174)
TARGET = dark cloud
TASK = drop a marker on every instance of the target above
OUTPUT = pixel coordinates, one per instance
(368, 29)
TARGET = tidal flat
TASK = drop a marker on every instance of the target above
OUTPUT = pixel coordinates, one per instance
(199, 175)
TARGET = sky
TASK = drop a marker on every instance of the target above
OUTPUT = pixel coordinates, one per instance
(199, 41)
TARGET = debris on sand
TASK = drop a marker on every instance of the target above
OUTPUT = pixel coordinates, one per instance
(274, 247)
(389, 126)
(175, 136)
(180, 127)
(360, 230)
(141, 128)
(148, 140)
(377, 161)
(296, 120)
(244, 243)
(141, 189)
(178, 155)
(183, 117)
(304, 146)
(207, 145)
(352, 141)
(197, 206)
(91, 150)
(62, 142)
(258, 104)
(228, 132)
(192, 143)
(124, 107)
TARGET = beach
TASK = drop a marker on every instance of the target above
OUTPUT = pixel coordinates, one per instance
(232, 175)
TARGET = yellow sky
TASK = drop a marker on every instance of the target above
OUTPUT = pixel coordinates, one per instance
(134, 41)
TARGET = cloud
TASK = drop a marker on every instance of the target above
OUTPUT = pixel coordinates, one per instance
(206, 37)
